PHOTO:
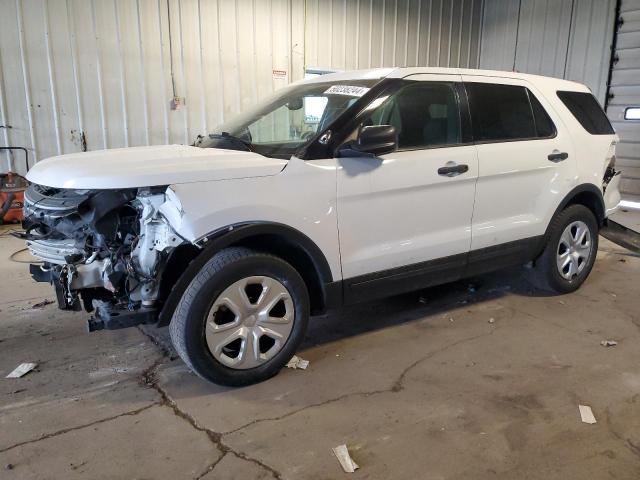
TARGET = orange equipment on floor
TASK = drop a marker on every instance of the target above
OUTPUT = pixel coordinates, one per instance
(12, 187)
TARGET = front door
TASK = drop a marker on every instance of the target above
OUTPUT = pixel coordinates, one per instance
(405, 218)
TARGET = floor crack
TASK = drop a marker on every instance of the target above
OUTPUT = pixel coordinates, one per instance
(632, 447)
(211, 467)
(79, 427)
(163, 348)
(396, 386)
(150, 379)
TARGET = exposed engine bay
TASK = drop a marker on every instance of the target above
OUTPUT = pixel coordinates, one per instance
(101, 249)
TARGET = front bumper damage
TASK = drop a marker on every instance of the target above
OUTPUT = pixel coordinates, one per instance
(104, 250)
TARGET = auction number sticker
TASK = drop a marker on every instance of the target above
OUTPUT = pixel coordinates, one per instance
(349, 90)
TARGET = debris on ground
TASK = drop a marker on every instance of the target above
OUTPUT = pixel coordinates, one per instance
(492, 320)
(608, 343)
(43, 303)
(8, 466)
(561, 302)
(347, 463)
(623, 260)
(21, 370)
(613, 294)
(297, 362)
(586, 414)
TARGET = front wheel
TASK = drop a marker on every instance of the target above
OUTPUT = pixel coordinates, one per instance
(570, 251)
(241, 318)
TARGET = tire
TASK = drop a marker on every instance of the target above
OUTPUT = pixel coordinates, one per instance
(551, 271)
(214, 309)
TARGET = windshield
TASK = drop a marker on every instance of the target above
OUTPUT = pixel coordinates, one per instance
(289, 119)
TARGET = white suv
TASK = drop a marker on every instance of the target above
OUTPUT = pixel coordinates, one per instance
(335, 190)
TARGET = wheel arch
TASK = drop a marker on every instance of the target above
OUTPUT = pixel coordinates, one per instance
(277, 239)
(588, 195)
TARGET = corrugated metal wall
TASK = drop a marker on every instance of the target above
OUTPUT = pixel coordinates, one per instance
(560, 38)
(95, 74)
(352, 34)
(102, 73)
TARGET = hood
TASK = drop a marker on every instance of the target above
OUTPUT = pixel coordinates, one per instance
(150, 166)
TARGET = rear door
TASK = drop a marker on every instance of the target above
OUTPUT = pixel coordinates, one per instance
(526, 166)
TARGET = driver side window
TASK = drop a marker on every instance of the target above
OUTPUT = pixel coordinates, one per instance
(424, 114)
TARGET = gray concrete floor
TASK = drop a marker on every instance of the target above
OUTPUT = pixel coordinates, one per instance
(418, 386)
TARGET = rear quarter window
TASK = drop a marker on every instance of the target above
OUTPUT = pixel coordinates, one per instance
(586, 109)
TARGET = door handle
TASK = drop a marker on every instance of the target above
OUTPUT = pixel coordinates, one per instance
(557, 156)
(453, 170)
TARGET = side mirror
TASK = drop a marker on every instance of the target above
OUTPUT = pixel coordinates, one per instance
(372, 141)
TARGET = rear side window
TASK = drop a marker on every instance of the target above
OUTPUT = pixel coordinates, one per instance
(500, 112)
(587, 111)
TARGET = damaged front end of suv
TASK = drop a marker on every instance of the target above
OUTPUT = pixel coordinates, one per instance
(104, 250)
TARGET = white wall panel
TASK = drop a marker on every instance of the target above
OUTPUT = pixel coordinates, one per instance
(590, 44)
(95, 74)
(102, 73)
(499, 33)
(560, 38)
(352, 34)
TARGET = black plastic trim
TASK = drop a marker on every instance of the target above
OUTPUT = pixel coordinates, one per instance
(334, 295)
(508, 254)
(442, 270)
(231, 234)
(120, 318)
(404, 279)
(465, 114)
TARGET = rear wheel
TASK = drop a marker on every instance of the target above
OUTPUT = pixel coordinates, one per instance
(241, 318)
(570, 251)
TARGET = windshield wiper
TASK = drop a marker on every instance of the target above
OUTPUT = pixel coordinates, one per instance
(227, 137)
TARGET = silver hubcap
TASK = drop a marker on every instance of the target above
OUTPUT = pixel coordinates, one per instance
(574, 250)
(249, 322)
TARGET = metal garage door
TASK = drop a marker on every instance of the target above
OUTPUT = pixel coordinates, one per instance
(624, 94)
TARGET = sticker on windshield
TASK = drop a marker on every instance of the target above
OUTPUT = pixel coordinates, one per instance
(349, 90)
